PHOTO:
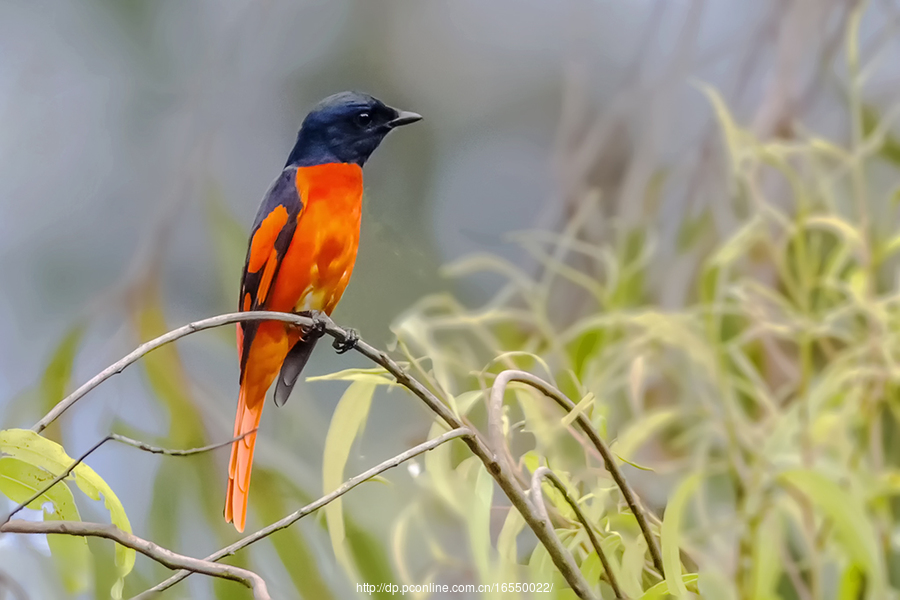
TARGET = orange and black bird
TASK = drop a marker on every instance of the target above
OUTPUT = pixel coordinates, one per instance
(302, 250)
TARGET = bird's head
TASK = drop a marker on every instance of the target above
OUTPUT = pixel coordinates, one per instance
(345, 127)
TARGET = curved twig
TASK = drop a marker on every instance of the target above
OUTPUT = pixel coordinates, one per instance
(158, 553)
(167, 338)
(498, 441)
(537, 496)
(312, 507)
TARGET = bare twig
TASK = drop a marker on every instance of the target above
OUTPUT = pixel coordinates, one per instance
(158, 553)
(175, 452)
(314, 506)
(537, 497)
(498, 441)
(146, 348)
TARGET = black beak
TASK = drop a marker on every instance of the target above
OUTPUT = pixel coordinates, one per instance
(404, 117)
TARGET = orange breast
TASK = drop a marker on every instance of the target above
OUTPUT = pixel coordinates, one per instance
(319, 261)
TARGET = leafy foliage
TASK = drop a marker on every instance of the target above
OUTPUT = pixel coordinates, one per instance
(33, 462)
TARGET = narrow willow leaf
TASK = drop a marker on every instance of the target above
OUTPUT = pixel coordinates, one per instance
(671, 533)
(57, 375)
(767, 562)
(641, 430)
(369, 556)
(847, 513)
(714, 583)
(853, 584)
(19, 481)
(347, 424)
(376, 375)
(735, 138)
(506, 541)
(633, 559)
(582, 406)
(290, 544)
(465, 401)
(441, 476)
(660, 591)
(167, 376)
(30, 447)
(479, 518)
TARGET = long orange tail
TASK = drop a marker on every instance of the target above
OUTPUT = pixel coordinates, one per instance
(249, 411)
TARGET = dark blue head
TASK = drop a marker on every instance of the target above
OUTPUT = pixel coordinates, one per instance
(345, 128)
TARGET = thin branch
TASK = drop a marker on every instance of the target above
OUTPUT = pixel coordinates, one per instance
(500, 471)
(292, 518)
(495, 432)
(125, 440)
(176, 452)
(537, 496)
(171, 336)
(158, 553)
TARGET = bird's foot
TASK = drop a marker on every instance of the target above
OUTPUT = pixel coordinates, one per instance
(319, 323)
(348, 343)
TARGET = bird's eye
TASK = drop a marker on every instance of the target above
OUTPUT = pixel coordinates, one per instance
(363, 119)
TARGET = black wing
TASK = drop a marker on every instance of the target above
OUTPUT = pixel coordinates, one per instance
(271, 236)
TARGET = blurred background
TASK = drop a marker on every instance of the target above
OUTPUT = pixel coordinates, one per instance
(137, 139)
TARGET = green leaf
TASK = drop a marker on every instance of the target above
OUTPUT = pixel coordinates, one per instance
(166, 374)
(57, 376)
(641, 430)
(633, 559)
(766, 569)
(847, 513)
(889, 149)
(290, 544)
(506, 541)
(369, 555)
(734, 137)
(853, 584)
(346, 425)
(19, 481)
(376, 375)
(671, 533)
(479, 515)
(30, 447)
(661, 589)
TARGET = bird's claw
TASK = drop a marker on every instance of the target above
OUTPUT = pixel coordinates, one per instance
(318, 326)
(348, 343)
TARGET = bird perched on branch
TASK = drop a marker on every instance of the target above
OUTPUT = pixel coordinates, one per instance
(302, 250)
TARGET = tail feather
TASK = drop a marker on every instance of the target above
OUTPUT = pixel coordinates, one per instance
(249, 411)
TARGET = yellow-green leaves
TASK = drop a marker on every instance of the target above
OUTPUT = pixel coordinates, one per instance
(347, 424)
(19, 481)
(375, 375)
(49, 457)
(671, 534)
(847, 513)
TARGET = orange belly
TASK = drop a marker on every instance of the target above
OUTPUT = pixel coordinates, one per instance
(319, 261)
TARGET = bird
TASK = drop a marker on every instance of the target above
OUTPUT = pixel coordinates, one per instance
(300, 257)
